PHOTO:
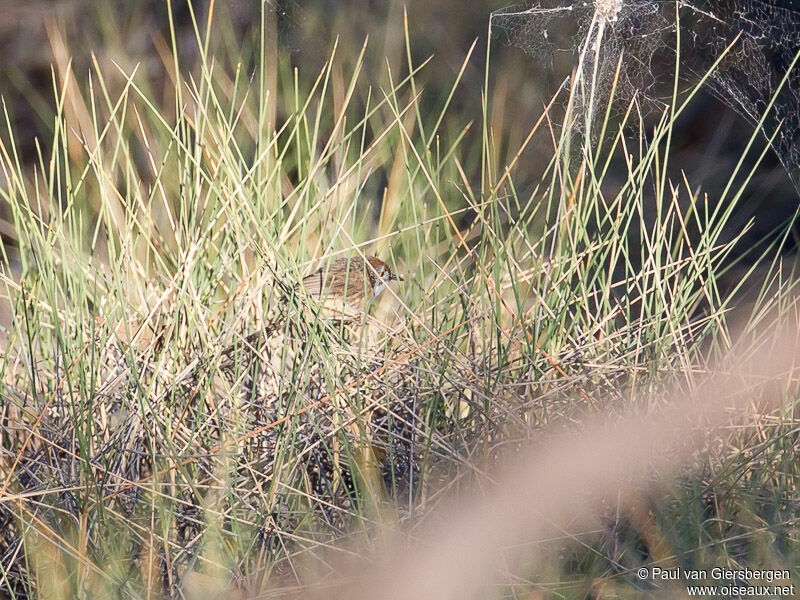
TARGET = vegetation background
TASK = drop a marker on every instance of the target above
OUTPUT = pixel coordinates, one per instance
(708, 140)
(170, 171)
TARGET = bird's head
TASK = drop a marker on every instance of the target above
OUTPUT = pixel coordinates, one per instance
(380, 274)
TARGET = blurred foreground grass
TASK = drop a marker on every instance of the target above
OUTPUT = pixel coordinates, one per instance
(160, 227)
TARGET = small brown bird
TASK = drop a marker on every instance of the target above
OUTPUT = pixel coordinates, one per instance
(346, 285)
(343, 287)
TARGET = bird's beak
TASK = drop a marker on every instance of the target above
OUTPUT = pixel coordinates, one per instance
(398, 277)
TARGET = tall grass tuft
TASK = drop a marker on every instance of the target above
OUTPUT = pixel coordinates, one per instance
(151, 446)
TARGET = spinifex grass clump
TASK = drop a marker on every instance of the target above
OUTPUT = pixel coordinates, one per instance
(149, 446)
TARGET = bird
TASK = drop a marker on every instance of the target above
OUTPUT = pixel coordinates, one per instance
(347, 285)
(343, 288)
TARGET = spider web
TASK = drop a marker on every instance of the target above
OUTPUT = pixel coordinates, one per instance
(640, 36)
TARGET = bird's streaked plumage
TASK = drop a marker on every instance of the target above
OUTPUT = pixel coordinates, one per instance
(349, 283)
